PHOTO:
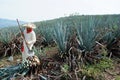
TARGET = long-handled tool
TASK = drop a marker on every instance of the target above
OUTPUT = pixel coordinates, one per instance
(29, 51)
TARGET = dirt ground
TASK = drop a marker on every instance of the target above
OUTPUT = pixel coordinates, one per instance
(49, 52)
(110, 74)
(5, 63)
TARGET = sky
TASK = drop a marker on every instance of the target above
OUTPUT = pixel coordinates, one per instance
(39, 10)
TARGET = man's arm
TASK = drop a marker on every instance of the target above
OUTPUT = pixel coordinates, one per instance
(33, 38)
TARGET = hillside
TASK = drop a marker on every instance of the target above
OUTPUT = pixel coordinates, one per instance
(7, 23)
(78, 47)
(71, 20)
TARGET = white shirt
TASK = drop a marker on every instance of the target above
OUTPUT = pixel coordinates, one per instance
(30, 39)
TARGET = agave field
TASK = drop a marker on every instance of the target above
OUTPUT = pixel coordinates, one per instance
(77, 47)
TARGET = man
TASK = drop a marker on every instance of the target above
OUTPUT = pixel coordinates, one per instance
(28, 41)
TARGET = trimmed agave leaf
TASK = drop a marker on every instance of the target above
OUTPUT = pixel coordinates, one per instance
(8, 72)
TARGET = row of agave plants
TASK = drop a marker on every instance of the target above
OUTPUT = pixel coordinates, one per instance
(9, 41)
(85, 41)
(89, 40)
(88, 30)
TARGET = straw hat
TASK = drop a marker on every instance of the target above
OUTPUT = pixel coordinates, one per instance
(30, 25)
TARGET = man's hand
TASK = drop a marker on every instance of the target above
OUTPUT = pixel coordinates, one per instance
(27, 43)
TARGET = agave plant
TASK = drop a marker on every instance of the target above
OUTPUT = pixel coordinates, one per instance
(9, 72)
(9, 40)
(112, 31)
(61, 36)
(46, 32)
(5, 37)
(87, 33)
(7, 34)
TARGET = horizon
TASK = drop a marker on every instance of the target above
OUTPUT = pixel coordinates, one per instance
(61, 17)
(52, 9)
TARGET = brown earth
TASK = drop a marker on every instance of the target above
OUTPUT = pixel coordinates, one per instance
(49, 52)
(5, 63)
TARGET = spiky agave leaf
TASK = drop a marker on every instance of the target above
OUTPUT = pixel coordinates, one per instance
(7, 34)
(61, 36)
(86, 33)
(112, 32)
(46, 30)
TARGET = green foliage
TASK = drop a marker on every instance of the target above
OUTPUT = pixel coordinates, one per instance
(92, 71)
(104, 52)
(37, 51)
(109, 29)
(61, 36)
(96, 70)
(105, 63)
(45, 28)
(65, 68)
(7, 34)
(86, 33)
(8, 72)
(46, 32)
(89, 28)
(117, 78)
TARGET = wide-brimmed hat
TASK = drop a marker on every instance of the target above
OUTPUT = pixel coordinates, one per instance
(30, 25)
